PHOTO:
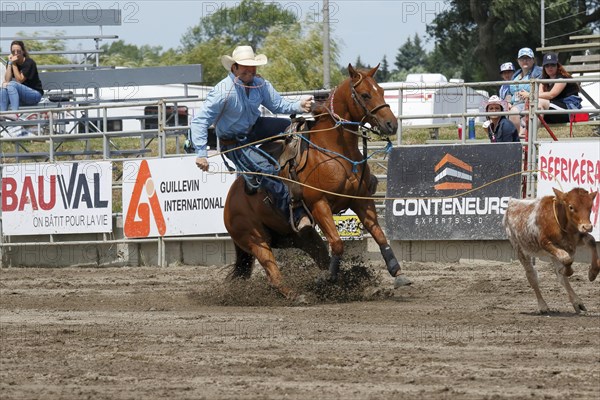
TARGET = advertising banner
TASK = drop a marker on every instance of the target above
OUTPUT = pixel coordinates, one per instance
(172, 197)
(568, 165)
(74, 197)
(438, 192)
(348, 226)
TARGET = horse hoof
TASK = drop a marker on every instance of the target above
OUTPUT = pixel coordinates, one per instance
(579, 307)
(326, 278)
(401, 280)
(593, 273)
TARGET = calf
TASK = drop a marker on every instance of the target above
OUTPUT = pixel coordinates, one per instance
(555, 226)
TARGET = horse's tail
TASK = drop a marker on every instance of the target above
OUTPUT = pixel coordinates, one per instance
(244, 262)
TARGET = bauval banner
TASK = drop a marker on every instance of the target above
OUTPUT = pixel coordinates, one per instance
(436, 192)
(66, 197)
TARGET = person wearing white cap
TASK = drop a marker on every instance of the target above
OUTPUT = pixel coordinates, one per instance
(232, 106)
(498, 127)
(507, 70)
(520, 91)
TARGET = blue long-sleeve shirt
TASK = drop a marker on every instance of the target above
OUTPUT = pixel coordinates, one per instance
(535, 73)
(504, 131)
(241, 109)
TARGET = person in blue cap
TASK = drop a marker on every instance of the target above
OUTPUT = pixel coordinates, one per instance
(520, 91)
(558, 96)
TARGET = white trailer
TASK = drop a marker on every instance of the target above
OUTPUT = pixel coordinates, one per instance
(442, 99)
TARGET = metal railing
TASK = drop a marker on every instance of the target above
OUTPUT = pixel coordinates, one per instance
(54, 135)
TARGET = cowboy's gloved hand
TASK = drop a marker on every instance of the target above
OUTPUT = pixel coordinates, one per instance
(202, 163)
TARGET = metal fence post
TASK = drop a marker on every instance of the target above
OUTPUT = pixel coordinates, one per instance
(400, 120)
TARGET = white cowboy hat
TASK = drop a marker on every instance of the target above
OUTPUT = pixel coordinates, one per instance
(243, 55)
(494, 100)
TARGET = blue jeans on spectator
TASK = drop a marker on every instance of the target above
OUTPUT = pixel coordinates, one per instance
(252, 159)
(17, 95)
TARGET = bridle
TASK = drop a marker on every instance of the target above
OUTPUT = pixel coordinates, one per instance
(358, 100)
(340, 122)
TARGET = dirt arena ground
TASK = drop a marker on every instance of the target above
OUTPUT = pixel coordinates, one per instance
(462, 331)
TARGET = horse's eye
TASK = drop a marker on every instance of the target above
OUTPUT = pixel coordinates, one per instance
(366, 96)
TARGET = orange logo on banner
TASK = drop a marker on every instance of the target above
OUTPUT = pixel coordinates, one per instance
(452, 168)
(141, 227)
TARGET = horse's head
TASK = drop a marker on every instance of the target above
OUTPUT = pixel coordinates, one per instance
(368, 102)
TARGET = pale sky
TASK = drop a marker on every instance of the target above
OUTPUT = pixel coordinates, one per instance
(370, 29)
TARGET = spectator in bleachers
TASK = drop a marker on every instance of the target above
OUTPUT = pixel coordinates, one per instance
(22, 85)
(520, 91)
(498, 127)
(507, 70)
(557, 95)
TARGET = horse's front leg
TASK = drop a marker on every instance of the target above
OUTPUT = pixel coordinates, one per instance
(324, 218)
(365, 211)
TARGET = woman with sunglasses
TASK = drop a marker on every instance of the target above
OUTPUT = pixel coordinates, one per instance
(22, 85)
(559, 95)
(520, 91)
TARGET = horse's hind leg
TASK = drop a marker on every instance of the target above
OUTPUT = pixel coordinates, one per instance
(244, 262)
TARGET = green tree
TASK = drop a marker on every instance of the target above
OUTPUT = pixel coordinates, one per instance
(411, 54)
(121, 54)
(358, 64)
(383, 73)
(246, 23)
(43, 45)
(296, 57)
(209, 55)
(482, 34)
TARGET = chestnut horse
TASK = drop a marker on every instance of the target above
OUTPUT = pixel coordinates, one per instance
(332, 162)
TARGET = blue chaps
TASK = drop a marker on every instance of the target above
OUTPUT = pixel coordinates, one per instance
(252, 159)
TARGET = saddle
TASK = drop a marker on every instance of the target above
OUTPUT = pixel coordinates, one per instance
(289, 150)
(291, 154)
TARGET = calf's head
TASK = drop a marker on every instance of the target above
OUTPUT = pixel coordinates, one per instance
(578, 207)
